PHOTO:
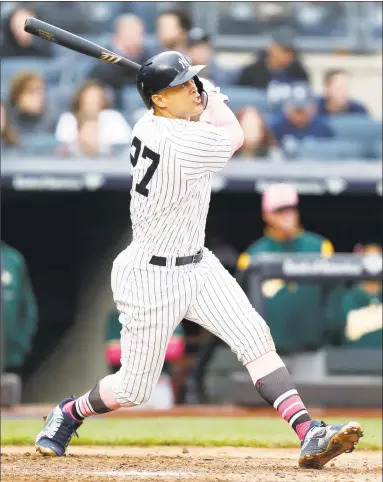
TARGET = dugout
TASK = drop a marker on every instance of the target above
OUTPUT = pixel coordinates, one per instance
(69, 240)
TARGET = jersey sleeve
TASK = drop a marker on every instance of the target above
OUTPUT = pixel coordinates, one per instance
(203, 147)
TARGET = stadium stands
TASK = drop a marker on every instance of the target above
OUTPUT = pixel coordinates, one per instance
(330, 149)
(357, 127)
(240, 97)
(51, 69)
(41, 144)
(65, 73)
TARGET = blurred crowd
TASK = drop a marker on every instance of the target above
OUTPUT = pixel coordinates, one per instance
(59, 103)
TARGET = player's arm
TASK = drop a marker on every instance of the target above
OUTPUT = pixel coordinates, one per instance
(202, 148)
(220, 115)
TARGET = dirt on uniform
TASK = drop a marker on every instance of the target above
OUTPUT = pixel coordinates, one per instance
(176, 464)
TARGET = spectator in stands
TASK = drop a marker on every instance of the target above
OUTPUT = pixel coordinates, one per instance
(87, 142)
(9, 138)
(19, 308)
(336, 99)
(128, 41)
(162, 397)
(294, 311)
(354, 317)
(299, 120)
(277, 68)
(172, 30)
(17, 42)
(258, 140)
(26, 108)
(201, 52)
(91, 100)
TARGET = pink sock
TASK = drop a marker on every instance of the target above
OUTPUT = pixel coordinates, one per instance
(302, 429)
(291, 408)
(68, 408)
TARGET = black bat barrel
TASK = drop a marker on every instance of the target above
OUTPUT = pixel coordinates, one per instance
(73, 42)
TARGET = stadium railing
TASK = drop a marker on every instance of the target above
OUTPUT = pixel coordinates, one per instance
(251, 175)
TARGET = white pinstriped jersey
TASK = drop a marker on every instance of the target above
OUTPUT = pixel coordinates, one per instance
(173, 162)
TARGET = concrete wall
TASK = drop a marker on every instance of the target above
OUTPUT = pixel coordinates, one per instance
(78, 362)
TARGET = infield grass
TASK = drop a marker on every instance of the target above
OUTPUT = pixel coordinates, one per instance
(244, 432)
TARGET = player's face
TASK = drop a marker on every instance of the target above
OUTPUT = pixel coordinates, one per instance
(285, 220)
(181, 102)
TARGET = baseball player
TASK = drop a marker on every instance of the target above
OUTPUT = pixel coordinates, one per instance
(166, 274)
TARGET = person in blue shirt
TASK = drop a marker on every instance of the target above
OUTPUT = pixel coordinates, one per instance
(276, 69)
(336, 98)
(298, 120)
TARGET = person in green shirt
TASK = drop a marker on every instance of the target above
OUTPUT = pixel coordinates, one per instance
(19, 309)
(162, 397)
(294, 311)
(355, 318)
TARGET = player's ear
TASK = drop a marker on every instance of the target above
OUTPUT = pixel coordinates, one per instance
(158, 100)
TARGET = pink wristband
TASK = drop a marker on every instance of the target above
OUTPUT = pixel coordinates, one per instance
(113, 355)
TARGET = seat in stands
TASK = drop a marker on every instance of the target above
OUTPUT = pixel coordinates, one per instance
(240, 97)
(330, 150)
(40, 144)
(356, 127)
(50, 68)
(131, 100)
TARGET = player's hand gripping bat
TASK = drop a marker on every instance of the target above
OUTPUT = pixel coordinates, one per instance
(74, 42)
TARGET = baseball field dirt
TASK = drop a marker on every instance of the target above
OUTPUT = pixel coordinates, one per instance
(181, 464)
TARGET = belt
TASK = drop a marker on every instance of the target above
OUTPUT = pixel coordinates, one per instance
(161, 261)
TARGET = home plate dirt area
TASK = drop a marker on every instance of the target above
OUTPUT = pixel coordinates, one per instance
(176, 464)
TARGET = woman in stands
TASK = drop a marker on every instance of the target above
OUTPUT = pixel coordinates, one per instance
(89, 101)
(9, 138)
(27, 109)
(258, 140)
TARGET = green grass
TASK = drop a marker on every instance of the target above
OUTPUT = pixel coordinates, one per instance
(247, 432)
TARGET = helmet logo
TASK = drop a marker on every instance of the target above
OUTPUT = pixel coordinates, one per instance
(185, 64)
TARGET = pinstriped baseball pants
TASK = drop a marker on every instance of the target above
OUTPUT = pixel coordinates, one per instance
(152, 301)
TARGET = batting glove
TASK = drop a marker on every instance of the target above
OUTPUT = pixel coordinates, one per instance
(209, 87)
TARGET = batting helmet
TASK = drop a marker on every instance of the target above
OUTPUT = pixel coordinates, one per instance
(166, 70)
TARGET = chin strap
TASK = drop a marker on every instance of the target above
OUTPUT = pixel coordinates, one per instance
(201, 91)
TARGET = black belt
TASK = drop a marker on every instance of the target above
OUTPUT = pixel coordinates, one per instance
(161, 261)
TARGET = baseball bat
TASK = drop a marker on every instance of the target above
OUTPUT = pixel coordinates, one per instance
(74, 42)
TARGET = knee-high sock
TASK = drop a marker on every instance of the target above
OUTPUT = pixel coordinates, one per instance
(97, 401)
(274, 384)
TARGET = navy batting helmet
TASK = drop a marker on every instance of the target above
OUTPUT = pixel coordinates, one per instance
(166, 70)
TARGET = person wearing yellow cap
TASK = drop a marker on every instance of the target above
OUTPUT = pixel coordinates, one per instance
(294, 311)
